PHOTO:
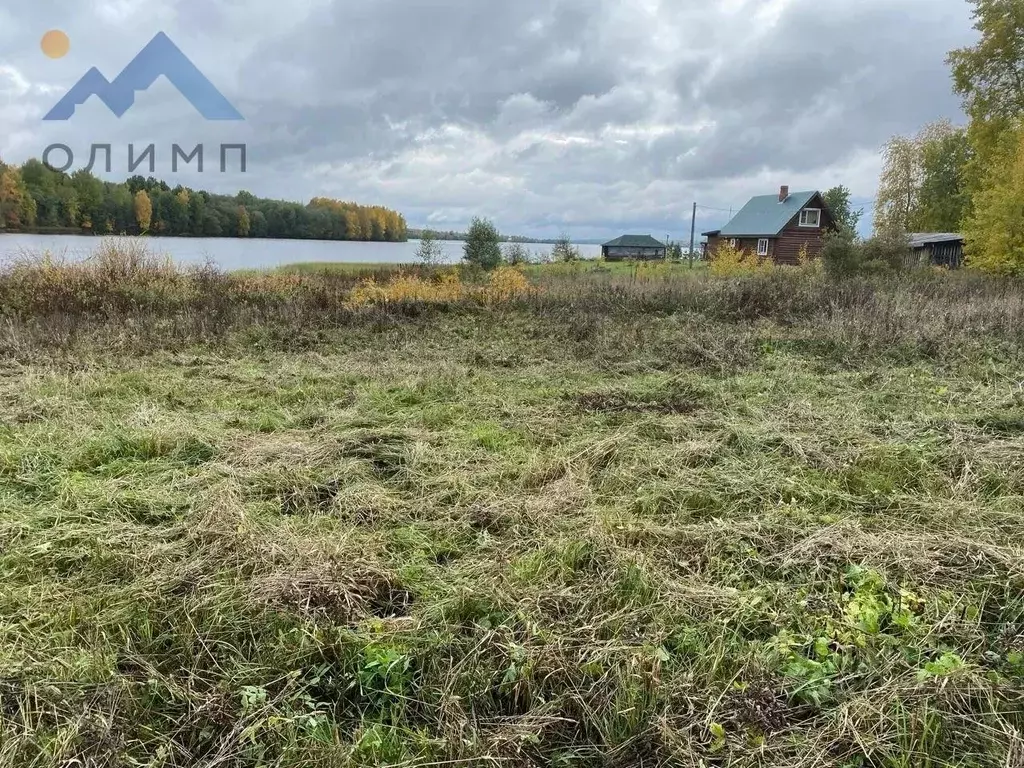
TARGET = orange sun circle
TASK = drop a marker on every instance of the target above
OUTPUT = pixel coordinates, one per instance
(55, 44)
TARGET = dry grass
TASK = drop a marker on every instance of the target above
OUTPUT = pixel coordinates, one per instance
(629, 519)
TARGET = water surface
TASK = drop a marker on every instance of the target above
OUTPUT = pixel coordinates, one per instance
(233, 253)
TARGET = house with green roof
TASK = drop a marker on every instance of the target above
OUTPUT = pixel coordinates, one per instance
(641, 247)
(778, 227)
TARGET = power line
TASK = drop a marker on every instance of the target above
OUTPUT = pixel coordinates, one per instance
(709, 208)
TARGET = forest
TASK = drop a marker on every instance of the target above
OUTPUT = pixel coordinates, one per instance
(37, 198)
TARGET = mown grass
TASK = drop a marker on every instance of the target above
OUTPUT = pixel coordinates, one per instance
(623, 521)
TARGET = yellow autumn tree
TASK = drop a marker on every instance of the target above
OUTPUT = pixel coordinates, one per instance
(17, 207)
(994, 230)
(143, 210)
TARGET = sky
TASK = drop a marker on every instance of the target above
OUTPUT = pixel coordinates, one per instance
(590, 117)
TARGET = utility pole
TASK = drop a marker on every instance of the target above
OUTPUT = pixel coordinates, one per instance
(693, 233)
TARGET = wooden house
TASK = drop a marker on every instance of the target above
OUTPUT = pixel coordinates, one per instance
(777, 227)
(640, 247)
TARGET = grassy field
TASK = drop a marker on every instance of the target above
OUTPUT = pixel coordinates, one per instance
(618, 521)
(591, 267)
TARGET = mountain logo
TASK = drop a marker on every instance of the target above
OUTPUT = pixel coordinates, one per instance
(160, 57)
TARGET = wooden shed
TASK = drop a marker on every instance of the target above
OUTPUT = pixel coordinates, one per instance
(943, 249)
(640, 247)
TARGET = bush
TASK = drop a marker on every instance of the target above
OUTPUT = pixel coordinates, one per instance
(516, 253)
(430, 251)
(731, 261)
(844, 255)
(841, 254)
(564, 250)
(482, 247)
(503, 284)
(888, 252)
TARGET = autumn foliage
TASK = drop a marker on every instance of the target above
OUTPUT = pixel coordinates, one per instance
(730, 261)
(445, 287)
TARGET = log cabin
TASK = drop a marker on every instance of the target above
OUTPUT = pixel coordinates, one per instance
(777, 227)
(639, 247)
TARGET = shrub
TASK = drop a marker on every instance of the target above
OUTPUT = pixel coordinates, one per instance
(844, 255)
(564, 250)
(841, 254)
(430, 252)
(731, 261)
(516, 253)
(887, 252)
(506, 284)
(446, 287)
(503, 284)
(482, 247)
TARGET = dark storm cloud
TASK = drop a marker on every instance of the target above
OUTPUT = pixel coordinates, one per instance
(597, 115)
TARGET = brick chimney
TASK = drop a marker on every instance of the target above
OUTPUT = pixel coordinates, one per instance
(783, 194)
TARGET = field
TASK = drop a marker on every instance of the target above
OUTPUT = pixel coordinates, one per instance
(616, 520)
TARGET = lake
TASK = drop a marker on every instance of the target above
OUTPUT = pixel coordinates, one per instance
(230, 253)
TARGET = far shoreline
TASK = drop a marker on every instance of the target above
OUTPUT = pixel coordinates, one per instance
(61, 232)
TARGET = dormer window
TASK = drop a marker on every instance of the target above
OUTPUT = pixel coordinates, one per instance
(810, 217)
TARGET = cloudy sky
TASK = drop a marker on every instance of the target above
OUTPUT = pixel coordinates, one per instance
(596, 117)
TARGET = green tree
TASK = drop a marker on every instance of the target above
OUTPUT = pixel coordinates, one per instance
(177, 212)
(989, 77)
(924, 185)
(482, 248)
(257, 224)
(838, 201)
(196, 212)
(89, 191)
(68, 210)
(41, 182)
(118, 210)
(143, 210)
(944, 198)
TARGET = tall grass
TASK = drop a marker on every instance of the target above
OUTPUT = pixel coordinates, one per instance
(127, 297)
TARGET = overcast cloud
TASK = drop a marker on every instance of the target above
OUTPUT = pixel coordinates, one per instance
(592, 116)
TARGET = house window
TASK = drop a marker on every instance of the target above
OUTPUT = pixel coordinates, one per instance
(810, 217)
(733, 242)
(762, 247)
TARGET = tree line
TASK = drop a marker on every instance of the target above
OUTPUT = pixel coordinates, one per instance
(452, 235)
(969, 179)
(35, 197)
